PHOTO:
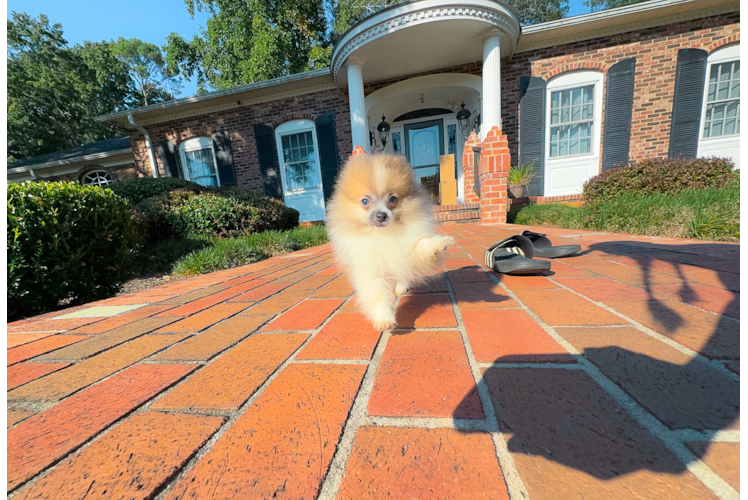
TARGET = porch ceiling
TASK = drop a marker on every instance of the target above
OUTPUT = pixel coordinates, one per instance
(423, 35)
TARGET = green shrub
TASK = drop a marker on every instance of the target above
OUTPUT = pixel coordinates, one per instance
(65, 242)
(223, 213)
(665, 176)
(137, 190)
(228, 253)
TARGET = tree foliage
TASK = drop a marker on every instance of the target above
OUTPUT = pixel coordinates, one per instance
(147, 68)
(540, 11)
(249, 41)
(56, 90)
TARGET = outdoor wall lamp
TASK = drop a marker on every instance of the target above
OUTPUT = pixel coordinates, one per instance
(384, 131)
(463, 119)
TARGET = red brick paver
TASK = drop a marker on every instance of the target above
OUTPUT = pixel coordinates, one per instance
(614, 375)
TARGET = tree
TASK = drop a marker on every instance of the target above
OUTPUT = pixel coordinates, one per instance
(540, 11)
(596, 5)
(54, 92)
(147, 68)
(252, 40)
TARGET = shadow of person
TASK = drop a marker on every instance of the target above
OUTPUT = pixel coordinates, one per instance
(564, 415)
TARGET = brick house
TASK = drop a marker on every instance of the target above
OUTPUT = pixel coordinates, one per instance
(571, 97)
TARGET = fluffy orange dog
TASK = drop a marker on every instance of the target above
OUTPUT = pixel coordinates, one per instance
(381, 225)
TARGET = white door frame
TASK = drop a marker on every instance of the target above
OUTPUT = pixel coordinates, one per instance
(291, 128)
(588, 161)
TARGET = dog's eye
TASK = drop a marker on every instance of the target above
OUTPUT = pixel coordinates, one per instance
(393, 200)
(365, 202)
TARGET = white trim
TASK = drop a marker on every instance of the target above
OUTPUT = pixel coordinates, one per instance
(591, 160)
(408, 14)
(197, 144)
(724, 145)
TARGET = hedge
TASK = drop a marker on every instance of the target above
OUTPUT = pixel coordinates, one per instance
(137, 190)
(66, 242)
(660, 176)
(206, 212)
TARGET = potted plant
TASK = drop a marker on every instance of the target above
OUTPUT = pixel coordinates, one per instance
(519, 177)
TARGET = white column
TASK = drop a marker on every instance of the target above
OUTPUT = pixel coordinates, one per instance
(359, 128)
(491, 83)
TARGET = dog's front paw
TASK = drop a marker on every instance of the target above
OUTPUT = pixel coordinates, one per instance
(400, 289)
(441, 244)
(384, 320)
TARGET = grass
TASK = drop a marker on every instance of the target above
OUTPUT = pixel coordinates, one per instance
(710, 214)
(227, 253)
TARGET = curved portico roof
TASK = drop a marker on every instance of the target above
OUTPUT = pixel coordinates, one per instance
(422, 35)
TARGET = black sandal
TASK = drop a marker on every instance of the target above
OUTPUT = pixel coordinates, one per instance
(542, 246)
(514, 256)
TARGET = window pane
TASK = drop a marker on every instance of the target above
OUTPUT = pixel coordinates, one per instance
(584, 129)
(714, 73)
(452, 140)
(587, 112)
(723, 90)
(554, 134)
(712, 95)
(717, 128)
(564, 115)
(584, 146)
(576, 96)
(554, 100)
(564, 132)
(554, 149)
(735, 90)
(725, 70)
(554, 117)
(732, 109)
(576, 113)
(563, 148)
(588, 96)
(736, 70)
(573, 147)
(285, 142)
(730, 126)
(565, 97)
(574, 132)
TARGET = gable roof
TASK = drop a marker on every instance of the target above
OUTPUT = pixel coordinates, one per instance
(99, 149)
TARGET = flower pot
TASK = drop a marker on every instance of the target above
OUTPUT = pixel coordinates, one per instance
(516, 191)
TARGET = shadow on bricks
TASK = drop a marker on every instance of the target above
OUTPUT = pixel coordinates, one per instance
(556, 419)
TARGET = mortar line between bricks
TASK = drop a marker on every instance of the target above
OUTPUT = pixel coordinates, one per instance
(706, 475)
(85, 444)
(475, 425)
(164, 489)
(658, 336)
(515, 486)
(732, 436)
(357, 417)
(545, 366)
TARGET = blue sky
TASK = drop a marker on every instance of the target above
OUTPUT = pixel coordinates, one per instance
(149, 20)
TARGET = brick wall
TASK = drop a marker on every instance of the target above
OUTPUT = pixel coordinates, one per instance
(239, 122)
(656, 51)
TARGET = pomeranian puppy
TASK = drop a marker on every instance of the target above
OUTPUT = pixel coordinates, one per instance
(381, 225)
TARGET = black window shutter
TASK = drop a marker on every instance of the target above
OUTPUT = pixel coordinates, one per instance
(167, 152)
(267, 156)
(224, 158)
(532, 130)
(328, 151)
(619, 101)
(689, 92)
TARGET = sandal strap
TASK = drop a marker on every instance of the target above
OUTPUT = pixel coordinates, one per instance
(516, 244)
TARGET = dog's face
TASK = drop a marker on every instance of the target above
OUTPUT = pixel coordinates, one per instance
(376, 190)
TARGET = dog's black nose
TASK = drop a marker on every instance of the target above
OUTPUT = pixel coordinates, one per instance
(381, 216)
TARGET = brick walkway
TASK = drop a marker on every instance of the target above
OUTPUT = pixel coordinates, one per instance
(615, 376)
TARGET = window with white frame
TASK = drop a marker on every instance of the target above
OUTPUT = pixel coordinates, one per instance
(199, 161)
(300, 161)
(97, 178)
(722, 116)
(719, 130)
(572, 116)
